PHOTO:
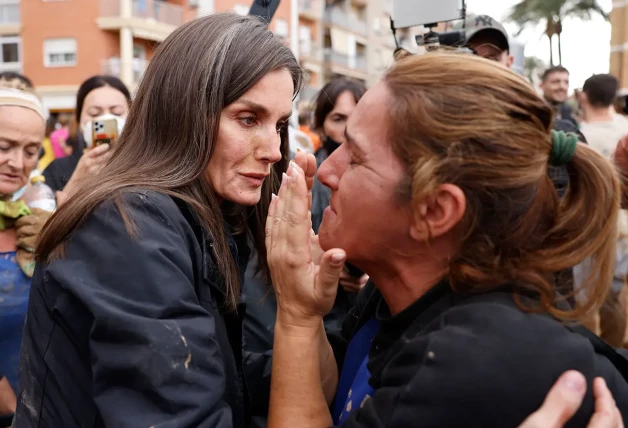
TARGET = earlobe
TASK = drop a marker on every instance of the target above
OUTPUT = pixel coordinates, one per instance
(438, 215)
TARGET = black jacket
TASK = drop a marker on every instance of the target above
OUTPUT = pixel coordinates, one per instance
(453, 360)
(129, 331)
(59, 172)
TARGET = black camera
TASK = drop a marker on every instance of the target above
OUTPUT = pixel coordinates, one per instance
(449, 38)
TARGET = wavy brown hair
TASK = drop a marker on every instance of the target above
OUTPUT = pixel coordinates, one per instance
(468, 121)
(168, 139)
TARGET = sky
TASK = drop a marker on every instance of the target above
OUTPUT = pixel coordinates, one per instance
(585, 44)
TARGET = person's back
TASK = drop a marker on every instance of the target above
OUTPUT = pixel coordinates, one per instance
(602, 127)
(604, 136)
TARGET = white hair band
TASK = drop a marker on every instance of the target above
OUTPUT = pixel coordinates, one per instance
(15, 97)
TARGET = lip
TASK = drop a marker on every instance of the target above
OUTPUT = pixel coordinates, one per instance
(9, 177)
(255, 179)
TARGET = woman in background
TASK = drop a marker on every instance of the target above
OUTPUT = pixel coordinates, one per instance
(22, 125)
(97, 97)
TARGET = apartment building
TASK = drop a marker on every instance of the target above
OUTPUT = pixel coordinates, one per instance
(59, 43)
(349, 38)
(619, 43)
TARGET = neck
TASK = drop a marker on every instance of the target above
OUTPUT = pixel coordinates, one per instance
(402, 281)
(598, 114)
(553, 103)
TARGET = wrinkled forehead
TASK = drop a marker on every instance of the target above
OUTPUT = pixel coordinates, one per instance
(558, 77)
(369, 122)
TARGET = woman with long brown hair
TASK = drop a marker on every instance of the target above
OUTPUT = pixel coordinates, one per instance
(441, 194)
(134, 317)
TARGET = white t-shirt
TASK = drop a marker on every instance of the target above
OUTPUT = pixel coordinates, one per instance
(604, 136)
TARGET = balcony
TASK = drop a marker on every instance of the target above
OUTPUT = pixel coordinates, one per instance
(309, 52)
(339, 17)
(113, 67)
(10, 20)
(351, 62)
(311, 9)
(148, 19)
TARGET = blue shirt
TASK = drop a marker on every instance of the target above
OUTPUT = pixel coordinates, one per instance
(353, 387)
(14, 289)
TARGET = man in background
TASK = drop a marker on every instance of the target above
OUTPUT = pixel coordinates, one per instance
(488, 39)
(602, 126)
(555, 87)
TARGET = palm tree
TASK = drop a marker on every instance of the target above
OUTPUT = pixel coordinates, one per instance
(552, 13)
(532, 67)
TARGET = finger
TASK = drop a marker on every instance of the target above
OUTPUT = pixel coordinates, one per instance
(310, 170)
(307, 162)
(29, 230)
(605, 414)
(282, 194)
(363, 280)
(272, 208)
(560, 404)
(329, 271)
(98, 150)
(296, 213)
(300, 158)
(27, 220)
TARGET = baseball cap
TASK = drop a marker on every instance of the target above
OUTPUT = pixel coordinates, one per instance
(474, 24)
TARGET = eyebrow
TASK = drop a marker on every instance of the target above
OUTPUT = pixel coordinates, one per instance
(352, 144)
(261, 110)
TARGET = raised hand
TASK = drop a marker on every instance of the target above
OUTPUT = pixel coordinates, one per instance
(305, 287)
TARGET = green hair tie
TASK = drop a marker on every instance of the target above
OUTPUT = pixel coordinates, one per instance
(563, 147)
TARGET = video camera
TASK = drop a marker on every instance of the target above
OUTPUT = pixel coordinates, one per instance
(430, 13)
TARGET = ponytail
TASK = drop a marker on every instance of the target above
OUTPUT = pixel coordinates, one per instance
(585, 227)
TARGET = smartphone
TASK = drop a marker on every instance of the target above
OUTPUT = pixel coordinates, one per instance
(104, 132)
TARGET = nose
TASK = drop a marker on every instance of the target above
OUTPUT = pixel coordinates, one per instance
(16, 159)
(269, 149)
(330, 171)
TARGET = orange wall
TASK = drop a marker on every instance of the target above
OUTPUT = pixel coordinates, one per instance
(74, 19)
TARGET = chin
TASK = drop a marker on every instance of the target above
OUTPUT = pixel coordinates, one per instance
(9, 189)
(247, 199)
(326, 238)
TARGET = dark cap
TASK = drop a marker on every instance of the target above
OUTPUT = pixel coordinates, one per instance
(474, 24)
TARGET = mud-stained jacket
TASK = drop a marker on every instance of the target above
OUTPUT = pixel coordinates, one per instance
(130, 331)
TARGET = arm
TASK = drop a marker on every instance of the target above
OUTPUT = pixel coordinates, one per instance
(8, 401)
(296, 377)
(155, 355)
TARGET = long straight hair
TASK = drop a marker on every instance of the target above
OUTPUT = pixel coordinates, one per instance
(169, 137)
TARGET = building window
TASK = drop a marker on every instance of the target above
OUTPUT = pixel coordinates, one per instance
(11, 54)
(9, 12)
(60, 52)
(281, 28)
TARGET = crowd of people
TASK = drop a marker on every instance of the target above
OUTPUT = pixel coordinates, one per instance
(446, 248)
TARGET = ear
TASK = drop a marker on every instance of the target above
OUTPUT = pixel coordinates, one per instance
(511, 60)
(439, 214)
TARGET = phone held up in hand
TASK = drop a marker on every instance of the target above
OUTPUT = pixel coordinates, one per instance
(104, 132)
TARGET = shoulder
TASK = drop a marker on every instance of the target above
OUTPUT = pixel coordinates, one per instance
(141, 204)
(488, 350)
(134, 220)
